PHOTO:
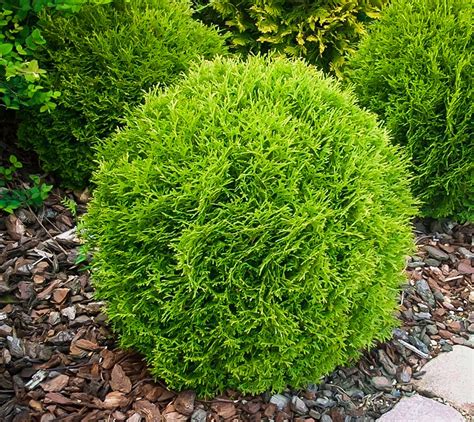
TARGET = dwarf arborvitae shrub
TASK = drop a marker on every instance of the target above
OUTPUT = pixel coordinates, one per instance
(102, 60)
(249, 228)
(415, 70)
(323, 32)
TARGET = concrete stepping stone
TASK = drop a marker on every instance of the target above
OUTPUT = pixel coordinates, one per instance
(450, 376)
(421, 409)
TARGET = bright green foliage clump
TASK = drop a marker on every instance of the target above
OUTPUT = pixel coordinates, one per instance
(323, 32)
(415, 70)
(102, 60)
(249, 227)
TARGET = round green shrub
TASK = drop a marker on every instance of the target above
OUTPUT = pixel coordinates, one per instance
(249, 228)
(102, 60)
(415, 70)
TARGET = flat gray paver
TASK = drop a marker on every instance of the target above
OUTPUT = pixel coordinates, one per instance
(421, 409)
(450, 376)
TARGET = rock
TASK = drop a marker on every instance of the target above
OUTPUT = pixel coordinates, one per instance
(69, 312)
(432, 262)
(455, 326)
(431, 330)
(466, 253)
(280, 401)
(324, 402)
(423, 289)
(5, 330)
(445, 334)
(382, 383)
(199, 415)
(388, 365)
(436, 253)
(54, 318)
(15, 345)
(415, 264)
(421, 409)
(314, 414)
(326, 418)
(421, 316)
(446, 347)
(400, 334)
(298, 406)
(62, 337)
(450, 375)
(471, 297)
(184, 402)
(404, 375)
(415, 341)
(470, 328)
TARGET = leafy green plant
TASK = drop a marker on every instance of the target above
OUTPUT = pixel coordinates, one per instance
(20, 73)
(323, 32)
(418, 77)
(70, 204)
(12, 196)
(103, 59)
(249, 228)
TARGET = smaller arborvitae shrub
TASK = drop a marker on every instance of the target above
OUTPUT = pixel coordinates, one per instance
(249, 228)
(415, 70)
(323, 32)
(102, 60)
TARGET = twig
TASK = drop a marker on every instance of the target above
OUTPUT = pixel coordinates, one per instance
(413, 349)
(46, 230)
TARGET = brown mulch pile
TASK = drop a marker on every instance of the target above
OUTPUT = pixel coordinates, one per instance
(58, 359)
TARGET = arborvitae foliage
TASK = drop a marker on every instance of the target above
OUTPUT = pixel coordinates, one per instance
(415, 70)
(249, 228)
(324, 32)
(102, 60)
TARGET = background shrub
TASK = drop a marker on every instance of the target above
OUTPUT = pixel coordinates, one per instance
(20, 74)
(250, 226)
(415, 70)
(322, 31)
(102, 60)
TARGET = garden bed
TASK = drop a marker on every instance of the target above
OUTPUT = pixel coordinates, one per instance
(59, 360)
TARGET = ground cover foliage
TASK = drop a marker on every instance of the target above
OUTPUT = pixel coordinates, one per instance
(323, 32)
(102, 60)
(249, 228)
(415, 70)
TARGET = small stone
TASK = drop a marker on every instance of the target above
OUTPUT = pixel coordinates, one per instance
(415, 264)
(382, 383)
(280, 401)
(298, 405)
(421, 316)
(15, 346)
(326, 418)
(458, 340)
(324, 402)
(62, 337)
(5, 330)
(69, 312)
(445, 334)
(436, 253)
(466, 253)
(431, 330)
(401, 334)
(404, 376)
(446, 347)
(314, 414)
(388, 365)
(432, 262)
(419, 344)
(199, 415)
(455, 326)
(423, 289)
(471, 297)
(470, 328)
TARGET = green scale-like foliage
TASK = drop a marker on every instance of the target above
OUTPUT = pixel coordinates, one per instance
(249, 228)
(324, 32)
(102, 60)
(415, 70)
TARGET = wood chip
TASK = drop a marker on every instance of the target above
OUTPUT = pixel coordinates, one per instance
(59, 295)
(55, 384)
(184, 402)
(114, 400)
(119, 380)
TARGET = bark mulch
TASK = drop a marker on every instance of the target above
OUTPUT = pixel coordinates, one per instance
(58, 359)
